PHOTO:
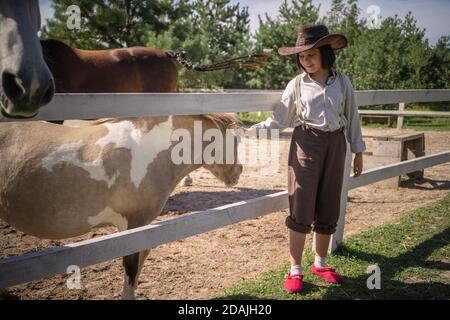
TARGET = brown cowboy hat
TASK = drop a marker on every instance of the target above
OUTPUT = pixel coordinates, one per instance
(314, 35)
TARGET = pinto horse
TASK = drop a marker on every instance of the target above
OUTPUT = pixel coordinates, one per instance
(135, 69)
(26, 83)
(60, 182)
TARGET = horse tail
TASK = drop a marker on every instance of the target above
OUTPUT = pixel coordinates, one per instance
(248, 61)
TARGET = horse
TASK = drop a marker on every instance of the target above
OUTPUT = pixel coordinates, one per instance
(134, 69)
(103, 71)
(26, 83)
(59, 182)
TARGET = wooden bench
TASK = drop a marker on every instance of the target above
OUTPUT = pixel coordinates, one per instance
(387, 149)
(373, 118)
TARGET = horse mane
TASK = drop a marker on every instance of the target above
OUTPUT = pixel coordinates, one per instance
(54, 44)
(50, 42)
(52, 48)
(222, 120)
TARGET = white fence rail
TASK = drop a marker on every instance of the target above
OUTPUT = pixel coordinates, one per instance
(103, 105)
(38, 265)
(406, 113)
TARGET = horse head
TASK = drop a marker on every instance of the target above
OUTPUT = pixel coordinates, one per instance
(225, 166)
(26, 83)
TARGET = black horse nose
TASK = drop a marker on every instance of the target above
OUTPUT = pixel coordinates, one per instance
(13, 87)
(48, 93)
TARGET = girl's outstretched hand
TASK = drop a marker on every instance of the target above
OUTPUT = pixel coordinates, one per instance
(358, 164)
(248, 131)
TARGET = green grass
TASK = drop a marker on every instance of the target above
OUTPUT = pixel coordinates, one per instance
(417, 123)
(413, 255)
(250, 118)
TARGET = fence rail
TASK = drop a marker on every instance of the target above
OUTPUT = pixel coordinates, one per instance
(405, 113)
(103, 105)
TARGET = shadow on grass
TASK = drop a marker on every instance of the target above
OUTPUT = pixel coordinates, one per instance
(415, 286)
(390, 267)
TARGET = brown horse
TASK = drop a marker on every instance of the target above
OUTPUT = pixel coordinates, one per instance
(135, 69)
(59, 182)
(25, 80)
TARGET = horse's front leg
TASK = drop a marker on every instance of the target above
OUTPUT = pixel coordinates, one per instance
(133, 266)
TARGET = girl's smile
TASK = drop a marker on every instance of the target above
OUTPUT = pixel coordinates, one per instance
(310, 60)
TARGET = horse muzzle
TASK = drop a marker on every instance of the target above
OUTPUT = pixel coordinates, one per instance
(20, 101)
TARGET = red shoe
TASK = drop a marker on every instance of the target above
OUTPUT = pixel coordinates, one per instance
(293, 284)
(328, 274)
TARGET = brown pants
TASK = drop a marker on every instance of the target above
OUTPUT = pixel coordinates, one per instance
(315, 175)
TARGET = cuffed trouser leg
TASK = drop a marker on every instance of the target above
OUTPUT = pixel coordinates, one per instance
(330, 186)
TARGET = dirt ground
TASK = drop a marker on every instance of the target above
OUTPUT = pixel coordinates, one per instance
(202, 266)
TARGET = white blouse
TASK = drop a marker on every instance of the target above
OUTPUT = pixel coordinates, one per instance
(320, 108)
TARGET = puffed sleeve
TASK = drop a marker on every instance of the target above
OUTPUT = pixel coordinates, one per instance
(284, 112)
(354, 133)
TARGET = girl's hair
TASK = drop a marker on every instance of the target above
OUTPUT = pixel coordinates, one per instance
(328, 58)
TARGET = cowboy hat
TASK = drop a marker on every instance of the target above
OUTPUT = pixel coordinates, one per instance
(314, 35)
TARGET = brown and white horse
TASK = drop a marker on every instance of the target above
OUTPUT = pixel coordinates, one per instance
(60, 182)
(26, 83)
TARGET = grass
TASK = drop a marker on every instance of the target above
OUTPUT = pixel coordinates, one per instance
(249, 118)
(413, 255)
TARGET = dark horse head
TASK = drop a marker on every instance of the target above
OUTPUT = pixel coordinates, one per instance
(26, 83)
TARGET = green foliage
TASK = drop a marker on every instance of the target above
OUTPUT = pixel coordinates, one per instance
(275, 33)
(112, 23)
(213, 31)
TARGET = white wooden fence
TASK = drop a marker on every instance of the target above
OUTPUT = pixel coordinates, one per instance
(41, 264)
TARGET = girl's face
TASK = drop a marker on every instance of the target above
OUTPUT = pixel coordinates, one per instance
(311, 60)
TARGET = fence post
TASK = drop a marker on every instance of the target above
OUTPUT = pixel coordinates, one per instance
(401, 108)
(337, 237)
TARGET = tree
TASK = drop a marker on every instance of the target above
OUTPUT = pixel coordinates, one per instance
(213, 31)
(113, 23)
(437, 73)
(278, 32)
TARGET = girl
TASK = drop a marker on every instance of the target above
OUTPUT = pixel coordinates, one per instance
(320, 104)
